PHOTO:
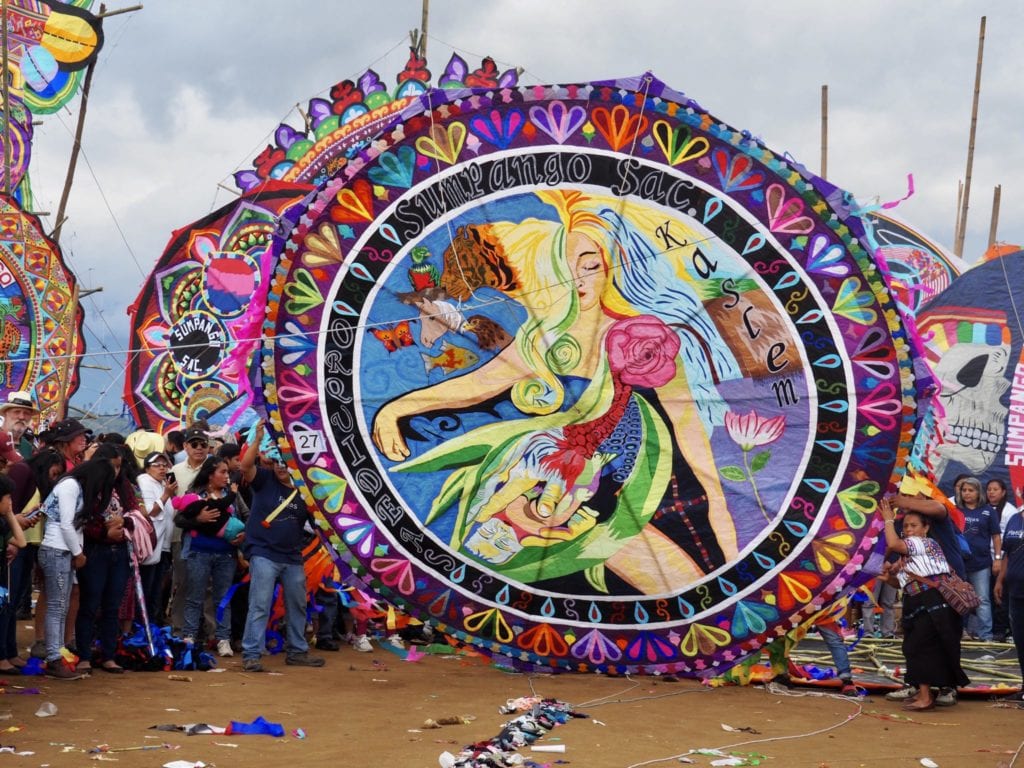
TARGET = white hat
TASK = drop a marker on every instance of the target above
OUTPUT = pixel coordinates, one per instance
(19, 399)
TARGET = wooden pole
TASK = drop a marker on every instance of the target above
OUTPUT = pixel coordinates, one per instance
(76, 148)
(424, 19)
(8, 154)
(824, 131)
(965, 202)
(994, 224)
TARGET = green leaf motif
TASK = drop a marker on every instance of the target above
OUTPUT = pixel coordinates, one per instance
(760, 461)
(596, 578)
(736, 474)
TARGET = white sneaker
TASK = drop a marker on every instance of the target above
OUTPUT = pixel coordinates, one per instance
(395, 641)
(224, 648)
(362, 644)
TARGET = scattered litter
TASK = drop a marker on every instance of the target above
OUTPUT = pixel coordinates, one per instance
(413, 655)
(548, 748)
(741, 729)
(6, 715)
(225, 744)
(172, 709)
(46, 709)
(927, 762)
(450, 720)
(298, 733)
(258, 727)
(180, 678)
(191, 729)
(597, 722)
(185, 764)
(217, 669)
(104, 758)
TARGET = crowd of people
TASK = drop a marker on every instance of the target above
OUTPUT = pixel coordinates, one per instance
(162, 530)
(180, 530)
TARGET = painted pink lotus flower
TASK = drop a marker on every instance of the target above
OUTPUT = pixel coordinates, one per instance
(751, 430)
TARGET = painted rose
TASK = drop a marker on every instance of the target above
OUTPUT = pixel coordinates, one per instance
(642, 351)
(750, 430)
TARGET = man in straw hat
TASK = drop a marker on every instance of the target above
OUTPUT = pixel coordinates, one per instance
(18, 412)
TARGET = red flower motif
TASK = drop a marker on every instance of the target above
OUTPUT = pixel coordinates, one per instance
(343, 95)
(485, 77)
(642, 351)
(267, 159)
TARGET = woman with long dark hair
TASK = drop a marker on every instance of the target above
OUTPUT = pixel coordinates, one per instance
(103, 578)
(13, 539)
(77, 498)
(213, 534)
(33, 480)
(981, 529)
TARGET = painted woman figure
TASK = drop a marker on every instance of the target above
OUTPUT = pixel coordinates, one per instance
(610, 472)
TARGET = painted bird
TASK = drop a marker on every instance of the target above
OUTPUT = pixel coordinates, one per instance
(489, 335)
(422, 274)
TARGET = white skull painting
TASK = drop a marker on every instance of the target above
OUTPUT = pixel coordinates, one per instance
(973, 378)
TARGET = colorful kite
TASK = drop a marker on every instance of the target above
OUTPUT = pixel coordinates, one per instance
(50, 45)
(975, 344)
(196, 323)
(40, 317)
(587, 378)
(357, 111)
(919, 268)
(19, 132)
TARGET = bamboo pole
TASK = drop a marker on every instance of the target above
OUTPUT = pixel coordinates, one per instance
(824, 131)
(424, 19)
(965, 203)
(76, 148)
(8, 154)
(994, 223)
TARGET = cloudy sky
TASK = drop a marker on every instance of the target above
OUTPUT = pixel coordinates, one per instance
(188, 91)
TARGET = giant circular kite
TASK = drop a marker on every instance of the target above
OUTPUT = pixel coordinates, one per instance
(195, 324)
(40, 317)
(587, 378)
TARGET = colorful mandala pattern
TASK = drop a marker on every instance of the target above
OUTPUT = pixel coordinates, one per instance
(196, 322)
(587, 378)
(40, 317)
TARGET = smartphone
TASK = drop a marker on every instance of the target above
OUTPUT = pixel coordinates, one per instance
(170, 478)
(34, 513)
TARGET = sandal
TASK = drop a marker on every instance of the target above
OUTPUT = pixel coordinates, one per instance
(16, 661)
(112, 668)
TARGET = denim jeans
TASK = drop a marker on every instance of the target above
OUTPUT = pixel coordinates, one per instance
(836, 647)
(979, 623)
(264, 574)
(885, 595)
(201, 567)
(57, 570)
(101, 584)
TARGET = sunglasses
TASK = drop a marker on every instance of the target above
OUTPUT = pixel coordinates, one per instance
(198, 444)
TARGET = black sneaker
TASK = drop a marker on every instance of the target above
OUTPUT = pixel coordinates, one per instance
(328, 644)
(251, 665)
(58, 670)
(304, 660)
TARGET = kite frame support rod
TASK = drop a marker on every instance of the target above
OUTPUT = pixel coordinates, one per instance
(961, 233)
(7, 101)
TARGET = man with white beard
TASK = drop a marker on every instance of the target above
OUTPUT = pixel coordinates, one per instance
(18, 412)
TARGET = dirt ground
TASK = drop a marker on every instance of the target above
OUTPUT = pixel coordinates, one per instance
(367, 710)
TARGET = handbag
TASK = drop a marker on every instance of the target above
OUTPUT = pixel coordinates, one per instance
(958, 594)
